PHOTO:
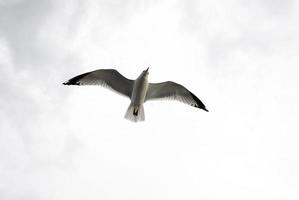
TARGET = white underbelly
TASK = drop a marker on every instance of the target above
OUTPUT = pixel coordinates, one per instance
(139, 92)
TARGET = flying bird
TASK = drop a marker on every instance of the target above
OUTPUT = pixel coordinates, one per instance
(139, 91)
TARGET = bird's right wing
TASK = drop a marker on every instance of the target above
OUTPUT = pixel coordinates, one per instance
(173, 91)
(109, 78)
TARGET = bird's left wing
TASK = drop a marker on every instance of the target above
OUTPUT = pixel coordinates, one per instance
(109, 78)
(173, 91)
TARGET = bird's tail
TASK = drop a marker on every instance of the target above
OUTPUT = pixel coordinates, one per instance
(135, 113)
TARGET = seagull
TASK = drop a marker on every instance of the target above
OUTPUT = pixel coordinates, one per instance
(138, 91)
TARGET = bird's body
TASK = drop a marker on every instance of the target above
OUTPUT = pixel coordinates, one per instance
(135, 111)
(139, 91)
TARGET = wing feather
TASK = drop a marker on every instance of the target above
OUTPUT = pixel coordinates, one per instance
(173, 91)
(109, 78)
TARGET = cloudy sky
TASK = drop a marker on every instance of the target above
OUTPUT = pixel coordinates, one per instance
(239, 57)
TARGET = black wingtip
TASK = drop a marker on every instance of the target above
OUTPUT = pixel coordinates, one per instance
(75, 80)
(199, 103)
(205, 109)
(68, 83)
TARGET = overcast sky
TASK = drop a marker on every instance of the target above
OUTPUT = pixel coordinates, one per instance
(65, 142)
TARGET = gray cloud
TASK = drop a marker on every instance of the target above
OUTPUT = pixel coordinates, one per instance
(278, 8)
(56, 142)
(224, 28)
(20, 25)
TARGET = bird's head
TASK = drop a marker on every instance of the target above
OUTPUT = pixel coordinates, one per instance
(145, 72)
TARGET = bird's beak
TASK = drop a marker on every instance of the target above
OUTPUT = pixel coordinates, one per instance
(147, 69)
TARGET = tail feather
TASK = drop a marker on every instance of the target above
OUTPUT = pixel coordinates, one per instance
(135, 113)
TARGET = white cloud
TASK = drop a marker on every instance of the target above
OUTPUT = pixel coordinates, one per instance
(60, 142)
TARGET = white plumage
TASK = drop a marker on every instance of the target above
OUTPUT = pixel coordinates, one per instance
(139, 91)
